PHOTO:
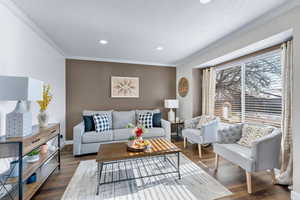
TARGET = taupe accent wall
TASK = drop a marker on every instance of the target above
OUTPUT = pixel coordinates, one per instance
(88, 88)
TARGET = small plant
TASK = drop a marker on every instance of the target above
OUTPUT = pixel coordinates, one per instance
(47, 97)
(34, 153)
(132, 138)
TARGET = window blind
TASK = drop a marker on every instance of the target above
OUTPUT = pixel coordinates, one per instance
(251, 91)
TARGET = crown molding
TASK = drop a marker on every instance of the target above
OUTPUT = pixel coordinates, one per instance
(26, 20)
(120, 61)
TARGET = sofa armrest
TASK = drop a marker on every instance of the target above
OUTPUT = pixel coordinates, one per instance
(191, 123)
(78, 132)
(266, 151)
(230, 133)
(167, 126)
(209, 131)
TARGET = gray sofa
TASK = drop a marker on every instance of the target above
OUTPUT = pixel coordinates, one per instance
(263, 155)
(89, 142)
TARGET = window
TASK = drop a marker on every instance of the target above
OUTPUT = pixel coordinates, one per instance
(250, 91)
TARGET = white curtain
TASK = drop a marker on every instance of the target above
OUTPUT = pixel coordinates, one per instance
(286, 172)
(208, 91)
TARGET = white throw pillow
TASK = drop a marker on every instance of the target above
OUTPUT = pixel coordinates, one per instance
(204, 119)
(251, 133)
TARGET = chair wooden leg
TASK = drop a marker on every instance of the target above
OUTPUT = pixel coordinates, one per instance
(200, 150)
(184, 142)
(249, 182)
(216, 162)
(273, 176)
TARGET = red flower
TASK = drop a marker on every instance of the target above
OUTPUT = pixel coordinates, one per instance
(139, 132)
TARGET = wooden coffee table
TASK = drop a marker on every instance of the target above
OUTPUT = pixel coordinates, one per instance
(116, 154)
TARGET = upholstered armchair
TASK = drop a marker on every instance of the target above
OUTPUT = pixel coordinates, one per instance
(262, 155)
(207, 133)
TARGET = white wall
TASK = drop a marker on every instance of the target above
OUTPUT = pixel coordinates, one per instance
(23, 52)
(242, 38)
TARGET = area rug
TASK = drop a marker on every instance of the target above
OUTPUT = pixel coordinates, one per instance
(195, 183)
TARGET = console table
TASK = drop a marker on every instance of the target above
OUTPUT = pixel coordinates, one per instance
(16, 149)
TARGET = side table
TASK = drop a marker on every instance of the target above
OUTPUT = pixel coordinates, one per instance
(179, 125)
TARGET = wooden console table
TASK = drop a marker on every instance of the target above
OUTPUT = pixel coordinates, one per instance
(15, 188)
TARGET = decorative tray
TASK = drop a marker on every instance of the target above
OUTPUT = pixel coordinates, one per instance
(136, 148)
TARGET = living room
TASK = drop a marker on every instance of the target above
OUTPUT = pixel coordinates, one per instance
(83, 84)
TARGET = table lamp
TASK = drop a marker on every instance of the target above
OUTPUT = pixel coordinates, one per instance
(20, 89)
(171, 103)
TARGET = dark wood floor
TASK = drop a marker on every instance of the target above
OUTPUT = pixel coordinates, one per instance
(229, 175)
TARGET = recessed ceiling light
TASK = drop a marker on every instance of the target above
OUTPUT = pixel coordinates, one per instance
(159, 48)
(205, 1)
(103, 42)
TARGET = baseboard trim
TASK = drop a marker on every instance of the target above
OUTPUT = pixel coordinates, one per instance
(69, 142)
(295, 195)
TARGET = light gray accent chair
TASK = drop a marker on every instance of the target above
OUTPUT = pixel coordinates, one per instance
(204, 135)
(89, 142)
(263, 155)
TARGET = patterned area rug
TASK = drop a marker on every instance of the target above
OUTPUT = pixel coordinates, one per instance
(195, 183)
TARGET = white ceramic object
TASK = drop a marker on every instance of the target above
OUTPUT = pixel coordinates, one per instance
(32, 159)
(43, 119)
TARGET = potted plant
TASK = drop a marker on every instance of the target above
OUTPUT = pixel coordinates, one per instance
(33, 156)
(131, 141)
(43, 116)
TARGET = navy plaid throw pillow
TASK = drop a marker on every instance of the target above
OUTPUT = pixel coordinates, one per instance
(145, 119)
(101, 122)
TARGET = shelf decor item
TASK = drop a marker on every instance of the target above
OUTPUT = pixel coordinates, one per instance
(44, 148)
(171, 104)
(20, 89)
(33, 156)
(43, 117)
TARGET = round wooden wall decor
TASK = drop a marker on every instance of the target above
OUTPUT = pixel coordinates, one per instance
(183, 87)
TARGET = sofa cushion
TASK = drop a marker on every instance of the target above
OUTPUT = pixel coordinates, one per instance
(122, 118)
(251, 133)
(154, 132)
(89, 124)
(146, 119)
(93, 112)
(193, 135)
(204, 119)
(237, 154)
(94, 137)
(122, 134)
(138, 112)
(157, 119)
(101, 122)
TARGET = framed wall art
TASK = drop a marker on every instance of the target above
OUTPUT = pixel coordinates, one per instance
(125, 87)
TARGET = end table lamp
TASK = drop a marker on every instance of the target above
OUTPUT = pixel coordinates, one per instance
(171, 103)
(20, 89)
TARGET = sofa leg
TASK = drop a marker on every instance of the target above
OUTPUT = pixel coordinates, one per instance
(184, 142)
(249, 182)
(200, 150)
(216, 163)
(273, 176)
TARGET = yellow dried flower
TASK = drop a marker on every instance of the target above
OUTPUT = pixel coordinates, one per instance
(47, 97)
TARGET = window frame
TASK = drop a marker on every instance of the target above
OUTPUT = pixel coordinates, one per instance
(242, 63)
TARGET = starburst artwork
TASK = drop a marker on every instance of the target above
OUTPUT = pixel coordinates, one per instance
(124, 87)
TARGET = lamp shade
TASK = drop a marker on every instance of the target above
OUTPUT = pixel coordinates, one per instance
(14, 88)
(171, 103)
